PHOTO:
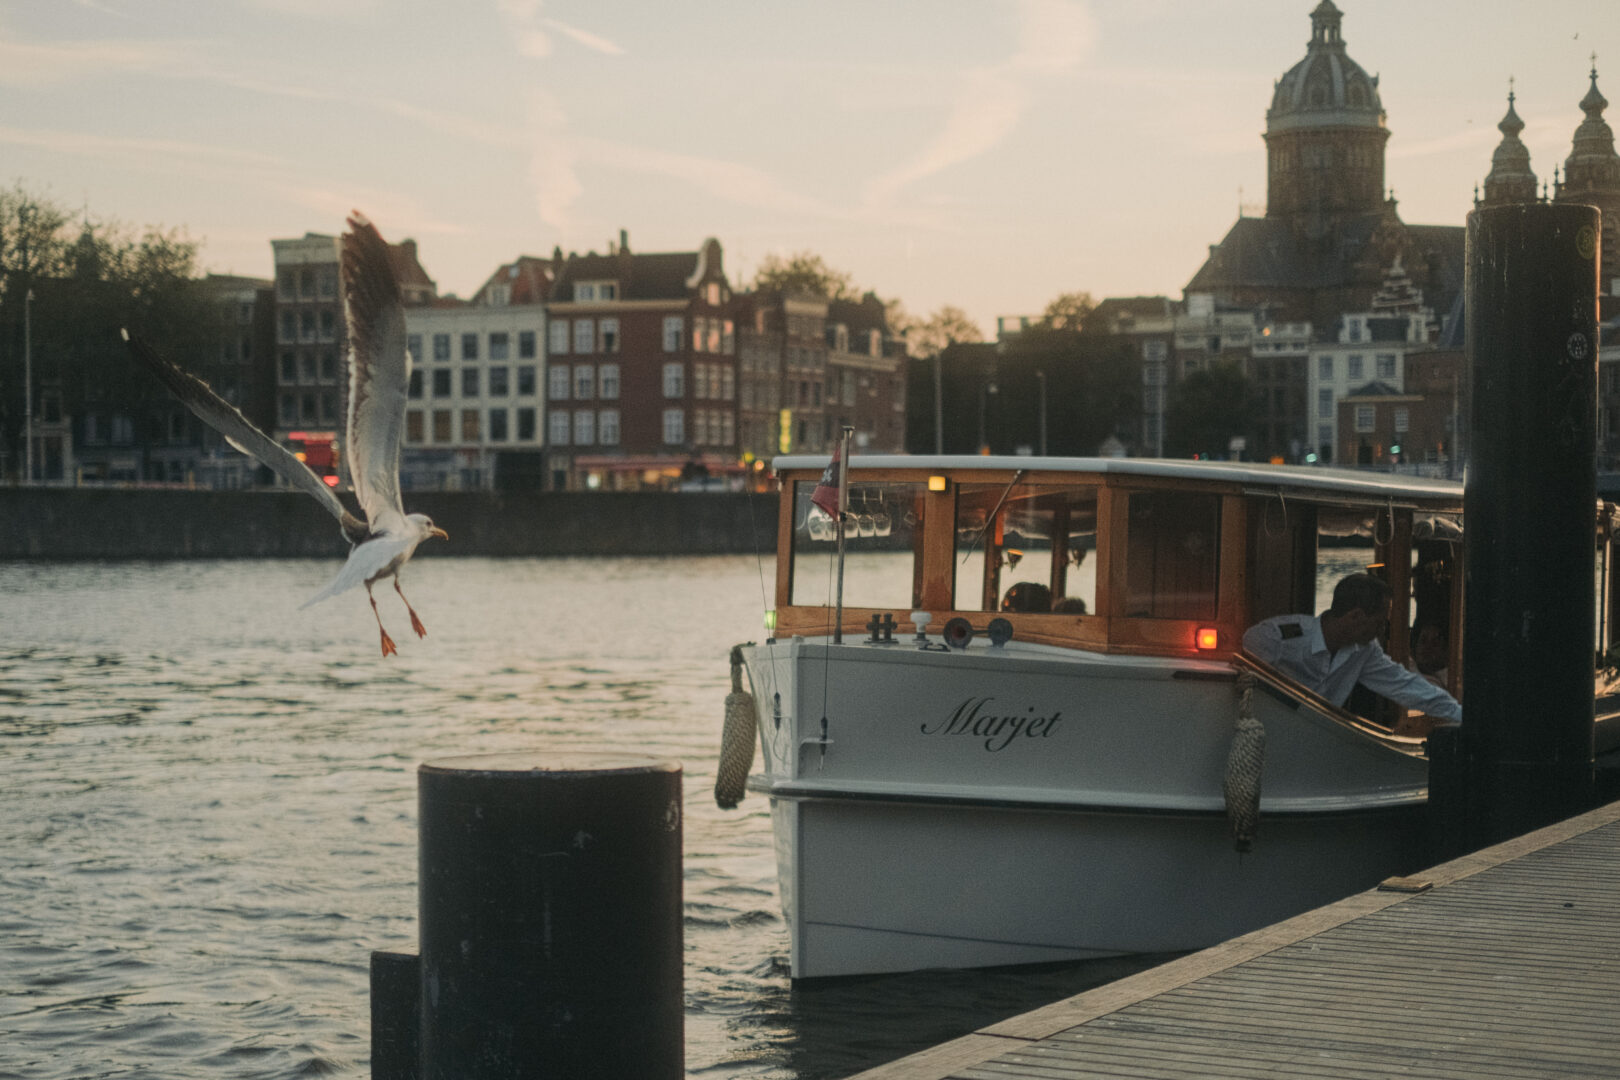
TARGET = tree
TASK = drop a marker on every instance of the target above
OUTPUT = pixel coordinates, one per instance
(804, 272)
(88, 283)
(1068, 310)
(948, 326)
(1207, 408)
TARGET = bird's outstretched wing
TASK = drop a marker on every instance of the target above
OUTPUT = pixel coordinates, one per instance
(379, 371)
(239, 431)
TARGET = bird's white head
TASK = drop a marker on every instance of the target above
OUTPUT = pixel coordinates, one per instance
(425, 526)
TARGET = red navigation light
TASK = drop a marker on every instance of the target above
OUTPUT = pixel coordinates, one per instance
(1206, 638)
(331, 481)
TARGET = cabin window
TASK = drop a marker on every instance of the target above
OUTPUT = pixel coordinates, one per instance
(1026, 548)
(882, 548)
(1172, 555)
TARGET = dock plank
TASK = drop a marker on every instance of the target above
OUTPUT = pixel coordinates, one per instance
(1507, 969)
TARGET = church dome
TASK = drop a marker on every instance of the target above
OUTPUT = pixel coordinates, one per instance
(1327, 88)
(1511, 179)
(1592, 164)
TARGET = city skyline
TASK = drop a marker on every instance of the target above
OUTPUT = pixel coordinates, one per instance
(990, 156)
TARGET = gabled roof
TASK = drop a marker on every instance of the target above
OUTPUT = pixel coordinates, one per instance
(1377, 389)
(659, 276)
(528, 278)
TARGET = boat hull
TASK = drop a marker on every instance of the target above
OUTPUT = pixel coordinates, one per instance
(993, 807)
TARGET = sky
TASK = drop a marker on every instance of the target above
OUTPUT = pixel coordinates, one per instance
(989, 154)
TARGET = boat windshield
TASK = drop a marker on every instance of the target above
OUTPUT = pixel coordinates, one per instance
(1026, 547)
(882, 547)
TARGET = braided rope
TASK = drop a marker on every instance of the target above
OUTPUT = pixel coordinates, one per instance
(1245, 764)
(736, 740)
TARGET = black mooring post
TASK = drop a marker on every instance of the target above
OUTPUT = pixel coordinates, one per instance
(550, 917)
(1529, 512)
(395, 1015)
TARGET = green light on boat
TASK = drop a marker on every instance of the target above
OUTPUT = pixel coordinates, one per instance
(770, 619)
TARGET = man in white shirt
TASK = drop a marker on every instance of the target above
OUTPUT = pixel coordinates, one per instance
(1333, 652)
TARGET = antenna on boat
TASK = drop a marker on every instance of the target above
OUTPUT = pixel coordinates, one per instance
(844, 435)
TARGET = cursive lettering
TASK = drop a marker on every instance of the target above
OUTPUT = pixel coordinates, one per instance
(998, 732)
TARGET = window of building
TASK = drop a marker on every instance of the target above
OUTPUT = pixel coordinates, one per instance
(672, 333)
(1386, 365)
(413, 425)
(610, 382)
(287, 284)
(558, 345)
(469, 382)
(1366, 419)
(1324, 403)
(610, 335)
(584, 291)
(289, 412)
(469, 425)
(674, 385)
(728, 429)
(499, 295)
(500, 345)
(441, 347)
(711, 293)
(674, 427)
(728, 337)
(441, 383)
(328, 324)
(584, 428)
(289, 366)
(469, 346)
(1403, 419)
(1324, 366)
(525, 344)
(607, 432)
(525, 425)
(526, 380)
(499, 381)
(584, 382)
(497, 425)
(329, 407)
(327, 276)
(584, 336)
(413, 344)
(558, 382)
(557, 428)
(1354, 367)
(441, 425)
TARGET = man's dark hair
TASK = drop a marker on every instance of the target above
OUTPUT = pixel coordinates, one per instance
(1359, 592)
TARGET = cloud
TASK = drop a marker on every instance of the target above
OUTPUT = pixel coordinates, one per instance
(553, 161)
(1054, 37)
(323, 10)
(585, 38)
(403, 214)
(32, 63)
(153, 153)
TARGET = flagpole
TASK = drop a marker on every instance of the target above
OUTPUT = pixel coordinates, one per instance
(843, 504)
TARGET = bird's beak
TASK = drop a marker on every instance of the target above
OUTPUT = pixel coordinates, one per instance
(440, 533)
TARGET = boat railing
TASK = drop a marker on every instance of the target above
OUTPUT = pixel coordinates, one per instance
(1294, 695)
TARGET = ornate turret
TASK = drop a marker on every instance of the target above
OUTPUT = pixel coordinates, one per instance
(1592, 165)
(1325, 133)
(1511, 180)
(1592, 176)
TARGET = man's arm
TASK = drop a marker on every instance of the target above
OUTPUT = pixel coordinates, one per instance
(1264, 641)
(1384, 676)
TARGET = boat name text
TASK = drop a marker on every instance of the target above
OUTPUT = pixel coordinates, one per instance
(998, 732)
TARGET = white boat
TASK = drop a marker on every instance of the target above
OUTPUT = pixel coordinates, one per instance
(1023, 786)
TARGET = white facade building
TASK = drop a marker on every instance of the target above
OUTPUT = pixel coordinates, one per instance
(1371, 348)
(475, 392)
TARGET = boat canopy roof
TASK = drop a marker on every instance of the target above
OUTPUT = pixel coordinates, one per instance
(1305, 479)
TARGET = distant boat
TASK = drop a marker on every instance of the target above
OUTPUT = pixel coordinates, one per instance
(1038, 769)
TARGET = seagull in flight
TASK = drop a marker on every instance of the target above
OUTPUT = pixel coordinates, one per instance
(384, 537)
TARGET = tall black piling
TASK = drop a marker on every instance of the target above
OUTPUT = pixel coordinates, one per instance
(550, 917)
(1529, 507)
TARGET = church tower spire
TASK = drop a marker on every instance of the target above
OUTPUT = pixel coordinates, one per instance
(1592, 176)
(1510, 179)
(1325, 134)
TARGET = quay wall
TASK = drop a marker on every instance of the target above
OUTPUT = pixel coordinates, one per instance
(129, 523)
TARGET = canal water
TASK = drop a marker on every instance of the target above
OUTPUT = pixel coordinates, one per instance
(208, 808)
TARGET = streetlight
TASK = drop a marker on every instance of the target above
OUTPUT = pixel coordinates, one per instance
(28, 388)
(1040, 377)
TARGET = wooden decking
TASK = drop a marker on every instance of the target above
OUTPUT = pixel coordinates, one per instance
(1507, 968)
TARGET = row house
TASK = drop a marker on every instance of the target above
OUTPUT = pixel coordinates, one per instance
(865, 380)
(475, 408)
(641, 370)
(782, 376)
(311, 336)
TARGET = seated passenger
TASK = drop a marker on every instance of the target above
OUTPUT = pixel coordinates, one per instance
(1429, 653)
(1331, 653)
(1070, 605)
(1027, 596)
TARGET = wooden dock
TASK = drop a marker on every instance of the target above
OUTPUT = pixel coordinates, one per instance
(1507, 967)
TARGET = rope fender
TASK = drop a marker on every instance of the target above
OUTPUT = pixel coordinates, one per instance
(1245, 762)
(736, 740)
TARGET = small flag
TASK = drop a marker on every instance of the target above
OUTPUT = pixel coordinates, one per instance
(826, 493)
